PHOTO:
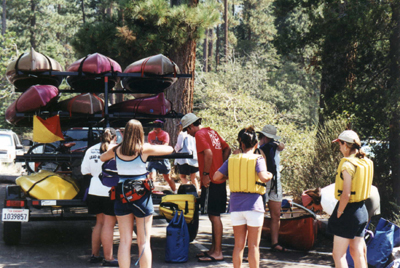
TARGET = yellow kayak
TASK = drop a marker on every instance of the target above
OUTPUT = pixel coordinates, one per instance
(48, 185)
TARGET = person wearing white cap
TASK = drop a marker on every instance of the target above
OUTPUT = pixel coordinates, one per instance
(352, 187)
(212, 151)
(271, 148)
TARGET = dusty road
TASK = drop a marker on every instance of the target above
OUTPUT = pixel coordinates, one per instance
(67, 244)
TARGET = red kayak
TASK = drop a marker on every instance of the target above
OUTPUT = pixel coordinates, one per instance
(32, 64)
(156, 105)
(33, 99)
(84, 104)
(298, 228)
(152, 70)
(93, 65)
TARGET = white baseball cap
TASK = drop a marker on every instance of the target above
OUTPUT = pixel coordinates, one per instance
(348, 136)
(270, 132)
(188, 119)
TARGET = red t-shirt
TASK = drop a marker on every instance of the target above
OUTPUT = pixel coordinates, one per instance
(158, 138)
(207, 138)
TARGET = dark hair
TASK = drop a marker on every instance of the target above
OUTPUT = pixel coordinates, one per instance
(315, 195)
(107, 136)
(248, 137)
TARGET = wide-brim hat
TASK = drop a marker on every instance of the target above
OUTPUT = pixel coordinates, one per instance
(188, 119)
(269, 131)
(348, 136)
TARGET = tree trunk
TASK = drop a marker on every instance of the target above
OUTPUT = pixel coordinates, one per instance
(33, 24)
(217, 49)
(393, 87)
(83, 11)
(205, 52)
(181, 93)
(210, 49)
(3, 19)
(226, 28)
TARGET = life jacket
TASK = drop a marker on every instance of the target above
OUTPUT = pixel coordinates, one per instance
(242, 174)
(361, 182)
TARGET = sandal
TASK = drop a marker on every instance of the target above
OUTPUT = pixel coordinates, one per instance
(202, 254)
(275, 249)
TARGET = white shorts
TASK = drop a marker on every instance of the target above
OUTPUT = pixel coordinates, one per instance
(275, 195)
(249, 218)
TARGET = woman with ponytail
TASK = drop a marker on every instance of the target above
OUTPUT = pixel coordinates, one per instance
(352, 187)
(246, 205)
(99, 202)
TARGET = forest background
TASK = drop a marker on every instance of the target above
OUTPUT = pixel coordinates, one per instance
(311, 68)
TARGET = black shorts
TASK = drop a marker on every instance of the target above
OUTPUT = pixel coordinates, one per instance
(216, 198)
(351, 223)
(186, 169)
(100, 204)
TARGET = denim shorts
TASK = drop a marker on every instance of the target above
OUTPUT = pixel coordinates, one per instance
(140, 208)
(163, 166)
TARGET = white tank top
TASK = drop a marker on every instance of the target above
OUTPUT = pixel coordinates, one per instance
(130, 168)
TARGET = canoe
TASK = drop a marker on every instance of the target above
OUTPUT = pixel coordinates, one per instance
(33, 99)
(48, 185)
(156, 105)
(32, 64)
(93, 66)
(154, 68)
(298, 229)
(86, 103)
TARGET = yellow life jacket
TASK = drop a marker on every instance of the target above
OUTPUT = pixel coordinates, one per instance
(361, 181)
(242, 174)
(170, 203)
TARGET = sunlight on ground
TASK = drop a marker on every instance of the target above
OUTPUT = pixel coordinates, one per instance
(13, 169)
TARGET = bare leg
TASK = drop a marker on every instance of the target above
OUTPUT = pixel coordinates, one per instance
(217, 229)
(107, 235)
(357, 250)
(253, 244)
(125, 225)
(240, 234)
(275, 210)
(143, 228)
(193, 178)
(183, 178)
(340, 246)
(96, 234)
(170, 181)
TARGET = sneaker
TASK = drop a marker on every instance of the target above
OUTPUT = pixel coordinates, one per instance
(113, 263)
(94, 259)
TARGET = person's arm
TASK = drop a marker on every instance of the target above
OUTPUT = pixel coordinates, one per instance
(345, 196)
(179, 143)
(265, 176)
(156, 150)
(218, 176)
(281, 146)
(208, 156)
(108, 155)
(225, 153)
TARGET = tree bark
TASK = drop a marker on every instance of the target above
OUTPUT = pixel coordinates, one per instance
(210, 48)
(83, 11)
(205, 52)
(393, 87)
(217, 49)
(33, 24)
(226, 28)
(3, 19)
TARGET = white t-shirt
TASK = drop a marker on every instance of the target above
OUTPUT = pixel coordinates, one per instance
(91, 164)
(190, 148)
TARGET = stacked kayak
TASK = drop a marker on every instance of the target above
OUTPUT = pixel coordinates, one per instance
(34, 98)
(32, 64)
(48, 185)
(153, 71)
(87, 103)
(91, 69)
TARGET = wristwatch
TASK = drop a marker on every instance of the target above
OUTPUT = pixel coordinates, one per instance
(206, 173)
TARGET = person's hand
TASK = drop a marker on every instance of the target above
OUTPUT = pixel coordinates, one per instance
(206, 180)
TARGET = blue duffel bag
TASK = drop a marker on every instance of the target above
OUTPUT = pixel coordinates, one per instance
(177, 247)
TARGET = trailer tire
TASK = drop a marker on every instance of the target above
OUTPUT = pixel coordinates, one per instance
(11, 233)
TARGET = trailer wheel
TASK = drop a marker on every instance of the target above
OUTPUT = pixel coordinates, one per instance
(11, 233)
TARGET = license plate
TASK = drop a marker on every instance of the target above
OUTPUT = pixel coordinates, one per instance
(12, 214)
